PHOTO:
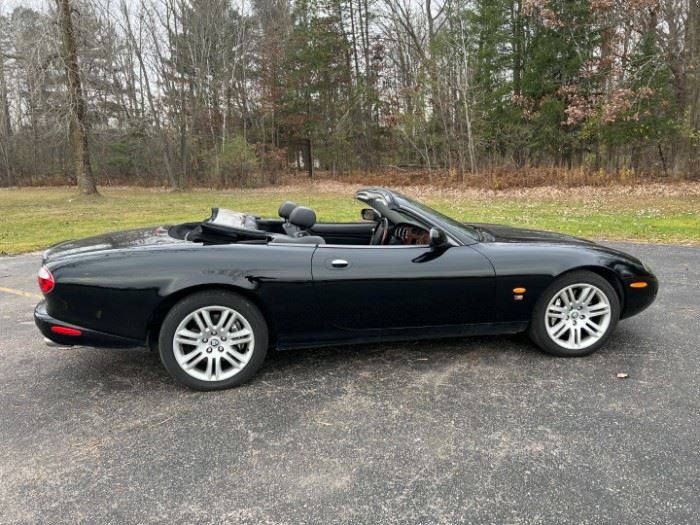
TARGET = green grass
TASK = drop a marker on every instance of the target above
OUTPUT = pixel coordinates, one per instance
(33, 218)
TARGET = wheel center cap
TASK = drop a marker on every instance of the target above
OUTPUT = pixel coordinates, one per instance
(574, 315)
(214, 342)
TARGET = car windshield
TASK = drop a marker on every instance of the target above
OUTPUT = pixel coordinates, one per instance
(470, 231)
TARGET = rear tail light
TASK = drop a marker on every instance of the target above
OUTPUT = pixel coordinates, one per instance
(46, 281)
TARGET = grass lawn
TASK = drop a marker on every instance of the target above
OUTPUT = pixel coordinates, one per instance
(34, 218)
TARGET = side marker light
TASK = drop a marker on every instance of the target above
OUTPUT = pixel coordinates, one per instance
(639, 284)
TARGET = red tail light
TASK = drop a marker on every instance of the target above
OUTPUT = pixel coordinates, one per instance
(64, 330)
(46, 282)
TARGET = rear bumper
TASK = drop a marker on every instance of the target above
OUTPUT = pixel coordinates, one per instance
(87, 337)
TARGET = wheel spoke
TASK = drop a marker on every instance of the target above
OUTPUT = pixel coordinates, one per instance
(207, 319)
(200, 321)
(187, 337)
(599, 309)
(570, 299)
(592, 327)
(193, 358)
(210, 368)
(217, 368)
(556, 314)
(232, 362)
(227, 318)
(586, 295)
(560, 329)
(241, 336)
(237, 355)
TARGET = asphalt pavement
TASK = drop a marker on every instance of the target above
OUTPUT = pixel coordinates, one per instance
(480, 430)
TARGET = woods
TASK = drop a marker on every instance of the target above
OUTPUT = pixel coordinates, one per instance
(233, 93)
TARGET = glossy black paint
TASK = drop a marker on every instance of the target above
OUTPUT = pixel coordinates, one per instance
(118, 287)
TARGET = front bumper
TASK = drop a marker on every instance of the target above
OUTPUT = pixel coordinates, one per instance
(639, 299)
(87, 337)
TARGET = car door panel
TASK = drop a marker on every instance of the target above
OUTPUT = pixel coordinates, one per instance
(387, 287)
(353, 233)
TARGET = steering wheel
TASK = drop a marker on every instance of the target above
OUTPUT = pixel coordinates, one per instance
(380, 236)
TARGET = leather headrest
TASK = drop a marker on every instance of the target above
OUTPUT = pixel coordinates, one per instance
(286, 209)
(303, 217)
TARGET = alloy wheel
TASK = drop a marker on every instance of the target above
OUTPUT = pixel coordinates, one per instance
(213, 343)
(578, 316)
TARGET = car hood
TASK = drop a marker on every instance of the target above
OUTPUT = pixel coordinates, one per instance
(111, 241)
(500, 233)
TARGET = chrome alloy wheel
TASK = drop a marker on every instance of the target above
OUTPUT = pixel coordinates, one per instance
(578, 316)
(213, 343)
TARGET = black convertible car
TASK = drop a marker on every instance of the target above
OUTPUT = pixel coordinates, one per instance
(213, 296)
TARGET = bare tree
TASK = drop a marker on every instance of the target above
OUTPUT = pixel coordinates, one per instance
(76, 103)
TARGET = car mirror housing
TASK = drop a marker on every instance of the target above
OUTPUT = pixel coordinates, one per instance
(368, 214)
(438, 238)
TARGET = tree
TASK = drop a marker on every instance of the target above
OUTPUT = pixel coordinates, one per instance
(76, 103)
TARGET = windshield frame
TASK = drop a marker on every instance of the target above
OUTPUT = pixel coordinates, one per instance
(466, 233)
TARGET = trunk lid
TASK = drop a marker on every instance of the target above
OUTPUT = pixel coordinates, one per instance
(111, 241)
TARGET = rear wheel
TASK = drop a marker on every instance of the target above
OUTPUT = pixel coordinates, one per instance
(213, 340)
(575, 315)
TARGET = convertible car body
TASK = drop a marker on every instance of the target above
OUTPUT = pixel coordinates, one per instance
(212, 296)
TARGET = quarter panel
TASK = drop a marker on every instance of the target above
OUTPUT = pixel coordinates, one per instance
(118, 292)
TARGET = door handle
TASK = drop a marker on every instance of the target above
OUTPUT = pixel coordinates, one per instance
(339, 263)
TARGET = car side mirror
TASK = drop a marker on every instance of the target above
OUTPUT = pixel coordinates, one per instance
(368, 214)
(438, 239)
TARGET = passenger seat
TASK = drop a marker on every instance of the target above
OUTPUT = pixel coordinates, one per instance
(285, 211)
(302, 219)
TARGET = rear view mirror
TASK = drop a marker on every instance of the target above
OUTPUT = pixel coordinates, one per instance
(368, 214)
(437, 238)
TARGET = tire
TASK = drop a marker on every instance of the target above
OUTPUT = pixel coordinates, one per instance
(238, 344)
(561, 312)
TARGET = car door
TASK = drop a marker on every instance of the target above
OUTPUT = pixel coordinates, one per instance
(344, 232)
(385, 287)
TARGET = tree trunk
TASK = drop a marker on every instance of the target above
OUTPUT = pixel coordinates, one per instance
(76, 103)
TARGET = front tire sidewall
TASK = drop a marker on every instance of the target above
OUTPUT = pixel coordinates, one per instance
(210, 298)
(537, 330)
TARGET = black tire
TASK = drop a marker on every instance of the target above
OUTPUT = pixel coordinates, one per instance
(191, 303)
(537, 330)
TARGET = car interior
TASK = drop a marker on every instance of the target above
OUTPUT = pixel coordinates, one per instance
(298, 225)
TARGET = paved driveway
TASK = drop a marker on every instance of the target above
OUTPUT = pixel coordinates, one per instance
(482, 430)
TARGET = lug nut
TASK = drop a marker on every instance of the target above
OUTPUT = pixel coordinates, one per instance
(223, 338)
(221, 349)
(205, 340)
(209, 350)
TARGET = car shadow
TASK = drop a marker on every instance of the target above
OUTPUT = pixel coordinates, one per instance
(123, 370)
(140, 369)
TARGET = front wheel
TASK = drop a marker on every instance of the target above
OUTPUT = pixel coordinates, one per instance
(575, 315)
(213, 340)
